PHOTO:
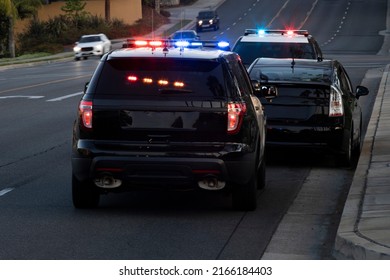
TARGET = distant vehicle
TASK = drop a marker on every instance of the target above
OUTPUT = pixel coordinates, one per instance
(91, 45)
(276, 44)
(160, 116)
(185, 35)
(208, 19)
(310, 104)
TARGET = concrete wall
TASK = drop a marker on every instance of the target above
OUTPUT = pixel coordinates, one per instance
(129, 11)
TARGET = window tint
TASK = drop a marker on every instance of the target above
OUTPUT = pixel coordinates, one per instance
(345, 83)
(291, 74)
(240, 77)
(162, 77)
(206, 14)
(249, 51)
(90, 39)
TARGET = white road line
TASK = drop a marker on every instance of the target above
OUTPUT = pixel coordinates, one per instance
(22, 96)
(65, 97)
(3, 192)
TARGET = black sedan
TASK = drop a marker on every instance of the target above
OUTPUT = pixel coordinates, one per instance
(310, 104)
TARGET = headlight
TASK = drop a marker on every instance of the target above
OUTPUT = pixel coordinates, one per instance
(99, 47)
(200, 22)
(211, 21)
(76, 49)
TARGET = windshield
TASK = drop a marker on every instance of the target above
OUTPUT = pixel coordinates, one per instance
(249, 51)
(162, 77)
(206, 15)
(90, 39)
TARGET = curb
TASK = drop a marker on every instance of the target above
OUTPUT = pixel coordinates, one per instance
(350, 242)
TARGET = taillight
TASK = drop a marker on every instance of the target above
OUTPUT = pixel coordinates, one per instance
(336, 108)
(236, 112)
(85, 110)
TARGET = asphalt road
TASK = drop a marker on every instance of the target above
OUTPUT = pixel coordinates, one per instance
(298, 212)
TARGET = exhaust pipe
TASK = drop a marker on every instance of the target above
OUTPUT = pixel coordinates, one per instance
(107, 182)
(211, 182)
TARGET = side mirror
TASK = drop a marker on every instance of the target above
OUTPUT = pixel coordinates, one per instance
(361, 91)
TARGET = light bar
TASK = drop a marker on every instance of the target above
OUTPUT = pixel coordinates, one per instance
(288, 32)
(166, 43)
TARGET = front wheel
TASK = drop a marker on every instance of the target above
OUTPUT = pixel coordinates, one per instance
(84, 194)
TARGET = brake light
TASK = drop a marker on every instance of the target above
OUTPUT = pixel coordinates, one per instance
(290, 33)
(236, 112)
(336, 108)
(132, 78)
(85, 111)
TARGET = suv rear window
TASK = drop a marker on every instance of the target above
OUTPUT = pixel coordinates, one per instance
(249, 51)
(162, 77)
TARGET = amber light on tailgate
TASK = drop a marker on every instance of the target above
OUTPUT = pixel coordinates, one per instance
(236, 112)
(85, 111)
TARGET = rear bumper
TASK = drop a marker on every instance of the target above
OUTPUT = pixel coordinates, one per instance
(235, 164)
(332, 138)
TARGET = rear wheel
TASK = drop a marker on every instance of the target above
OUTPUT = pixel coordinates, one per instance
(244, 196)
(84, 194)
(346, 158)
(261, 176)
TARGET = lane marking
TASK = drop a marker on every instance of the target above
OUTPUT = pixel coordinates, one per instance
(308, 14)
(65, 97)
(3, 192)
(22, 96)
(43, 84)
(278, 14)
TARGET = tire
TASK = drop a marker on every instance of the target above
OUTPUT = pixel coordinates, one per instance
(346, 157)
(356, 149)
(261, 177)
(77, 58)
(84, 194)
(244, 197)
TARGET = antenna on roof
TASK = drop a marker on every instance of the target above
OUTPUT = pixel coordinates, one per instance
(152, 23)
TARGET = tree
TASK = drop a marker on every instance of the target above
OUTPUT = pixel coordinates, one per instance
(107, 10)
(17, 9)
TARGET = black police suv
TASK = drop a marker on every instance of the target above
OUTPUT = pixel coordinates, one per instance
(171, 118)
(310, 103)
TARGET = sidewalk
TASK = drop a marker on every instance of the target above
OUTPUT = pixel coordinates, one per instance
(364, 230)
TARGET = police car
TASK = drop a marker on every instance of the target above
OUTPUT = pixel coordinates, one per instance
(275, 43)
(170, 115)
